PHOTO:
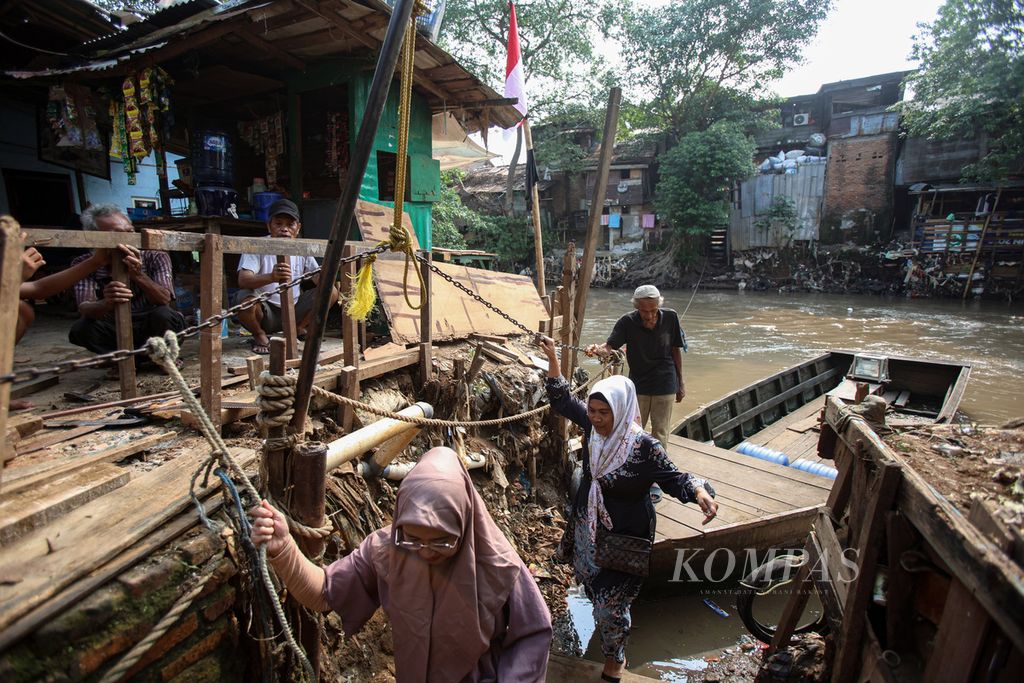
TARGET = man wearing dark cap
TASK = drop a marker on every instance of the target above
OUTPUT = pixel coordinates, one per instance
(262, 273)
(653, 339)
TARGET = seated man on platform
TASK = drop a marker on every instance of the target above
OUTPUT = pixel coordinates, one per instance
(44, 288)
(149, 290)
(262, 273)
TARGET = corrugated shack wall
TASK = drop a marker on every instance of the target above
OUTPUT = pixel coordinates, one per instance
(806, 187)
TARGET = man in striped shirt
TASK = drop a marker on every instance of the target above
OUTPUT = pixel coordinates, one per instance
(150, 289)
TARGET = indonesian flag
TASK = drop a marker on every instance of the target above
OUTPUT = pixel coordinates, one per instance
(514, 80)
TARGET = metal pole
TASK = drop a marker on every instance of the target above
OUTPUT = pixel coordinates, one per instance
(375, 102)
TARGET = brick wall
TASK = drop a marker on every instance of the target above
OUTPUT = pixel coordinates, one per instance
(89, 638)
(858, 188)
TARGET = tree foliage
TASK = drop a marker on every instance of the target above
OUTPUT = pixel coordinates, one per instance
(781, 221)
(698, 62)
(697, 175)
(510, 237)
(556, 38)
(449, 215)
(971, 81)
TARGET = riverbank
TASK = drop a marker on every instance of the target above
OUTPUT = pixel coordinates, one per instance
(892, 269)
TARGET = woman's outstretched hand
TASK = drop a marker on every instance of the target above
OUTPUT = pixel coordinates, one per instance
(707, 505)
(547, 345)
(269, 526)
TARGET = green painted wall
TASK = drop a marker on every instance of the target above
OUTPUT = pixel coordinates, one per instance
(425, 172)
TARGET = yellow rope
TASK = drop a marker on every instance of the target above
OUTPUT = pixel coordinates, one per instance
(364, 297)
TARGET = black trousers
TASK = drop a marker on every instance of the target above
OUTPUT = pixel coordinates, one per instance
(99, 336)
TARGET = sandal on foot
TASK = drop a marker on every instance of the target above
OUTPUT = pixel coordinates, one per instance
(261, 349)
(610, 678)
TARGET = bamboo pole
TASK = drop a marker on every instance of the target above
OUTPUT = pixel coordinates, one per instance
(611, 122)
(375, 101)
(288, 317)
(426, 324)
(351, 446)
(538, 239)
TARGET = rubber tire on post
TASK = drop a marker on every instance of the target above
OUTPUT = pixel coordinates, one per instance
(758, 580)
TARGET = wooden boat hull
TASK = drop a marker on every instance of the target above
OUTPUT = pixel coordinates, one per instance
(933, 389)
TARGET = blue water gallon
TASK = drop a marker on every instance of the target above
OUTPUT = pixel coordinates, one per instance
(817, 468)
(212, 156)
(261, 202)
(762, 453)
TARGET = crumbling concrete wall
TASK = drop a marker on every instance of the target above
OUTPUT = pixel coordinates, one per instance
(90, 637)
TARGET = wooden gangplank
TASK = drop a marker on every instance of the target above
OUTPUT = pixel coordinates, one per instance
(761, 504)
(572, 669)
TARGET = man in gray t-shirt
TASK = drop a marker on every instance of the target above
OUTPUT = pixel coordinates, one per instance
(653, 339)
(262, 273)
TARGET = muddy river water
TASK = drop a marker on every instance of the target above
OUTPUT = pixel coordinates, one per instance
(737, 338)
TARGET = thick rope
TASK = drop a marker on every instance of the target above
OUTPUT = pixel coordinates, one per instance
(434, 422)
(275, 400)
(164, 353)
(364, 297)
(143, 646)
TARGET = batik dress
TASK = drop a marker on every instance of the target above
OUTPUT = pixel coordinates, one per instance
(627, 498)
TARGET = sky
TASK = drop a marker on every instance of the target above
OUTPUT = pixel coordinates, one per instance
(858, 38)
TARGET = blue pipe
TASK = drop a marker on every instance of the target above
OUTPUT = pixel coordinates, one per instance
(818, 468)
(777, 457)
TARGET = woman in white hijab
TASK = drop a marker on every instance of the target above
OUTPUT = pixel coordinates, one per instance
(621, 462)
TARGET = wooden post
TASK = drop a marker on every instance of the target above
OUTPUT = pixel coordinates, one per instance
(569, 320)
(426, 323)
(276, 465)
(981, 243)
(538, 240)
(307, 506)
(123, 330)
(611, 122)
(348, 385)
(211, 286)
(254, 365)
(349, 326)
(878, 503)
(10, 282)
(288, 317)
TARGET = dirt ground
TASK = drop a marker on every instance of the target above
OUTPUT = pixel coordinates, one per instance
(965, 461)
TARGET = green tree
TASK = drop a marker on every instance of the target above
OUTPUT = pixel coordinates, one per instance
(971, 82)
(449, 214)
(698, 62)
(510, 237)
(780, 222)
(556, 38)
(697, 174)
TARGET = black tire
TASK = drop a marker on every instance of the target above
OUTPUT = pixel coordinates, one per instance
(759, 580)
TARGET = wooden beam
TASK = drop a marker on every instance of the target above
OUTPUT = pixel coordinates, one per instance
(307, 505)
(263, 45)
(349, 325)
(10, 282)
(123, 330)
(611, 123)
(881, 496)
(992, 577)
(81, 239)
(211, 286)
(276, 460)
(288, 317)
(426, 324)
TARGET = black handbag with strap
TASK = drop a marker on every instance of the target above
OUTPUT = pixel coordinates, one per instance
(623, 553)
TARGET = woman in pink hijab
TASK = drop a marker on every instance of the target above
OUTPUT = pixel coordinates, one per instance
(462, 605)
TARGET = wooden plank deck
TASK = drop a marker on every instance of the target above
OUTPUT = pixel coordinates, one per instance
(761, 505)
(792, 434)
(572, 670)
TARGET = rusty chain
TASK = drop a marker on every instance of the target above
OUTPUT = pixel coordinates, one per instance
(476, 297)
(119, 355)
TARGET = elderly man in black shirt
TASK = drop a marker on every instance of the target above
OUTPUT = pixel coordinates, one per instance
(653, 339)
